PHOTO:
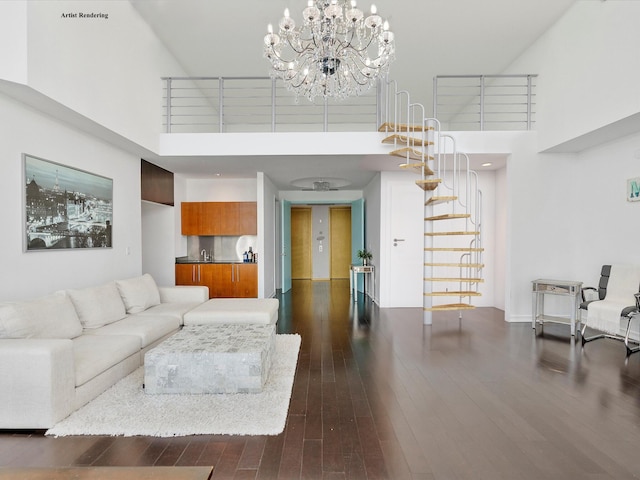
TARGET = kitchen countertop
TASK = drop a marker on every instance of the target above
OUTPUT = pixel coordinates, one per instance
(183, 260)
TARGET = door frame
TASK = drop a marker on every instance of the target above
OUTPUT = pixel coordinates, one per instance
(357, 232)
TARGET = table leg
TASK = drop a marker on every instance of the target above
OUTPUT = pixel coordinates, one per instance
(574, 311)
(350, 282)
(355, 287)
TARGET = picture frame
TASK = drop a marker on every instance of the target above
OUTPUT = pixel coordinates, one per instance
(65, 207)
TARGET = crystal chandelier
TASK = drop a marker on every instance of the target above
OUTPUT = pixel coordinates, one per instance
(336, 52)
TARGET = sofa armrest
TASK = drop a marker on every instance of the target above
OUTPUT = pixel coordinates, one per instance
(37, 382)
(184, 294)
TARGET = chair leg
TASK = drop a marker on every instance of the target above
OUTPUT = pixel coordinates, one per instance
(630, 350)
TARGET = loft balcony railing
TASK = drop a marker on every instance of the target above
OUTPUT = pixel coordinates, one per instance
(263, 104)
(258, 104)
(485, 102)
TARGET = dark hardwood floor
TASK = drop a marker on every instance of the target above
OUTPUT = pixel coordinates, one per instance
(379, 396)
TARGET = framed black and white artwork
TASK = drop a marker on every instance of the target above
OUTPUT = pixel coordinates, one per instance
(65, 207)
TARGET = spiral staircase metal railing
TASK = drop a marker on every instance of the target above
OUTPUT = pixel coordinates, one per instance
(452, 203)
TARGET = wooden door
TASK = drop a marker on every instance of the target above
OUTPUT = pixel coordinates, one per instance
(301, 243)
(340, 241)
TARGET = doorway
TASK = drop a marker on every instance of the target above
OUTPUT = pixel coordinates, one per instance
(340, 241)
(301, 243)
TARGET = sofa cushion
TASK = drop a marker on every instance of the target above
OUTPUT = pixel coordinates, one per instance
(52, 316)
(176, 310)
(98, 306)
(234, 311)
(139, 293)
(95, 354)
(147, 327)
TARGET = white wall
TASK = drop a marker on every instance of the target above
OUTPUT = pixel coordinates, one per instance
(105, 69)
(267, 236)
(27, 275)
(500, 234)
(372, 221)
(158, 246)
(13, 41)
(568, 215)
(588, 70)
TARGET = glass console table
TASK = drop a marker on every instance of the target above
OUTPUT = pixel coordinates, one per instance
(570, 289)
(353, 278)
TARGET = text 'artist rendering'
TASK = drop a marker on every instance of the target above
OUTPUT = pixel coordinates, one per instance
(336, 52)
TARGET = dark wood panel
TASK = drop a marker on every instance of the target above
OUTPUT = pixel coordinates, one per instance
(156, 183)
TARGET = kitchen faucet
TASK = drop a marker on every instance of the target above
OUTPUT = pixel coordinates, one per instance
(204, 255)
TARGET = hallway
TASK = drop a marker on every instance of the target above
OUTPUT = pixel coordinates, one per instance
(377, 395)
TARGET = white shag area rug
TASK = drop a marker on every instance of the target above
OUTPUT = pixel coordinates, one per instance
(125, 410)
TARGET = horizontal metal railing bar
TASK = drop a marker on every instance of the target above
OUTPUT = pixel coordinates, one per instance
(216, 104)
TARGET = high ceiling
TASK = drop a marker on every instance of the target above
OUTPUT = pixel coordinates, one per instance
(433, 37)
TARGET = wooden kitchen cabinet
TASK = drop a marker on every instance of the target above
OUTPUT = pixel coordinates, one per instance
(234, 280)
(191, 214)
(190, 274)
(246, 280)
(225, 280)
(219, 218)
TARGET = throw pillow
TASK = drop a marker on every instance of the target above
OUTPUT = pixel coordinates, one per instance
(98, 306)
(139, 293)
(52, 316)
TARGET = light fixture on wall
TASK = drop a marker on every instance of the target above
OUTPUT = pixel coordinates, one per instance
(336, 52)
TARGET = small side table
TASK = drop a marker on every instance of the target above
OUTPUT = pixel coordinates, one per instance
(567, 288)
(353, 278)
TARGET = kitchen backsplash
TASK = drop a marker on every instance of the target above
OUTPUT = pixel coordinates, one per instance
(220, 248)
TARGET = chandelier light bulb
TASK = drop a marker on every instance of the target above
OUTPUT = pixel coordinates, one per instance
(330, 53)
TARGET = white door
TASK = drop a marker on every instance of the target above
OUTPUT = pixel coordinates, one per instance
(405, 244)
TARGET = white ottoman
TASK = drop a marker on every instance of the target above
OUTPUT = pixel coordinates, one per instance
(245, 311)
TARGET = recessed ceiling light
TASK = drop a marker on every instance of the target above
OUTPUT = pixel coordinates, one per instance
(487, 164)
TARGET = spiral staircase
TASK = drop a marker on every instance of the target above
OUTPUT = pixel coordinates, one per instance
(452, 203)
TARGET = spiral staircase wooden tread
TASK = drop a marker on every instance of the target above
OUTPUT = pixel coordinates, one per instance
(417, 166)
(451, 306)
(448, 216)
(411, 154)
(406, 140)
(403, 127)
(442, 199)
(429, 184)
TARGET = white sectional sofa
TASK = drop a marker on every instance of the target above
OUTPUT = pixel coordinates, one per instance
(60, 351)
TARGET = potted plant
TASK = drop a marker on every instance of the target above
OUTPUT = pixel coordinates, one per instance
(365, 255)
